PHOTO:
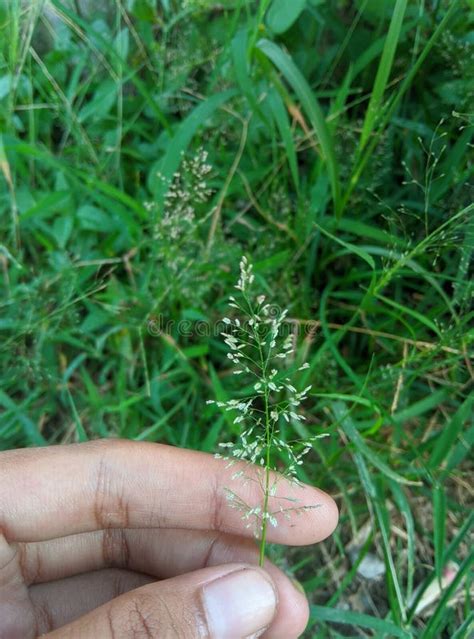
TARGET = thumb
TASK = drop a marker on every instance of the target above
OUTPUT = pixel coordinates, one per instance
(234, 601)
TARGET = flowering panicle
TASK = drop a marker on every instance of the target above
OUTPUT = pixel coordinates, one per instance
(187, 190)
(262, 354)
(178, 223)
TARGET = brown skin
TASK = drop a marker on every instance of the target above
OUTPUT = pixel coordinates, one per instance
(114, 539)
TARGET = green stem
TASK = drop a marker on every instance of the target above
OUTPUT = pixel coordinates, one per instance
(263, 6)
(263, 540)
(268, 437)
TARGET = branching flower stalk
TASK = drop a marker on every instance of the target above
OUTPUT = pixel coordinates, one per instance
(261, 353)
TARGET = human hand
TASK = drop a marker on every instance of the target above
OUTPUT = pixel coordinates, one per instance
(116, 539)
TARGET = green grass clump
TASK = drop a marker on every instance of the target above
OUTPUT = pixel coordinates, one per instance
(331, 142)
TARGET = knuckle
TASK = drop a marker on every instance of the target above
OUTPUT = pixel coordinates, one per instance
(9, 557)
(30, 561)
(110, 508)
(216, 505)
(115, 548)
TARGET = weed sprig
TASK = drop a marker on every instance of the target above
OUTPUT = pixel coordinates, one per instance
(260, 350)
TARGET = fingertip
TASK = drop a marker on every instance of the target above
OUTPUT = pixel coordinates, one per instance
(330, 515)
(293, 610)
(315, 521)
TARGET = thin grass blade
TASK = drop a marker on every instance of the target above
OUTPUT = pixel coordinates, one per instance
(294, 77)
(383, 72)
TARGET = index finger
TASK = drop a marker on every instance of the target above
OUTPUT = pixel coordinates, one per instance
(63, 490)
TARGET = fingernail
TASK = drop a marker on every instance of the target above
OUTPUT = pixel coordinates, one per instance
(240, 604)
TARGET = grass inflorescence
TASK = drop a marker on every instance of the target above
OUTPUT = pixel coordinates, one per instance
(257, 350)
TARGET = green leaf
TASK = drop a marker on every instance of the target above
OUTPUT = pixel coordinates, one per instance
(5, 85)
(283, 13)
(404, 507)
(449, 174)
(295, 78)
(428, 403)
(121, 43)
(47, 206)
(180, 142)
(462, 536)
(349, 398)
(461, 450)
(93, 219)
(208, 444)
(80, 431)
(464, 288)
(437, 620)
(342, 415)
(239, 47)
(62, 229)
(450, 433)
(352, 248)
(100, 104)
(339, 615)
(439, 517)
(87, 180)
(363, 230)
(423, 319)
(31, 430)
(383, 72)
(389, 111)
(105, 44)
(197, 350)
(466, 629)
(221, 396)
(375, 9)
(283, 123)
(394, 593)
(149, 433)
(7, 82)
